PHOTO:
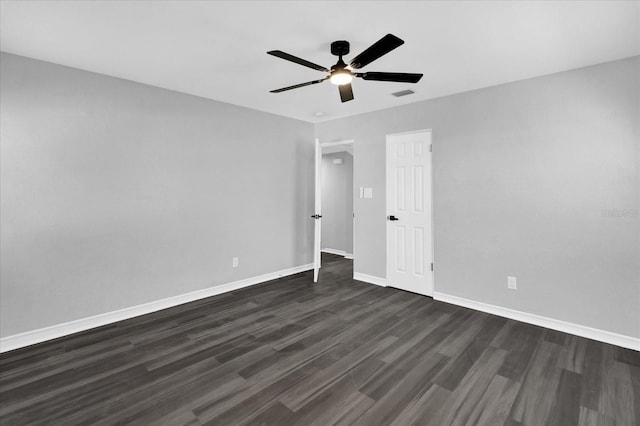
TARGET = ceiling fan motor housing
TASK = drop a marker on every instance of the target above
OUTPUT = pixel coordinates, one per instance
(340, 48)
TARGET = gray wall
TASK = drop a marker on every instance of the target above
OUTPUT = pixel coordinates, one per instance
(115, 193)
(537, 179)
(337, 202)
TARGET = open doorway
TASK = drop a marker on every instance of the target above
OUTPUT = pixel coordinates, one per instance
(334, 217)
(337, 200)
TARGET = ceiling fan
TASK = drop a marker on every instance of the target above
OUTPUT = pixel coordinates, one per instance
(341, 73)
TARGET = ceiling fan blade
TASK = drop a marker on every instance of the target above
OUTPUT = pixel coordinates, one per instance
(286, 56)
(308, 83)
(346, 92)
(381, 47)
(400, 77)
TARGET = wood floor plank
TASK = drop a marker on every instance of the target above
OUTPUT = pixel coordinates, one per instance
(252, 402)
(573, 354)
(344, 352)
(469, 394)
(521, 344)
(494, 405)
(592, 375)
(431, 408)
(391, 404)
(566, 407)
(539, 388)
(635, 384)
(407, 341)
(298, 396)
(458, 340)
(627, 356)
(589, 417)
(466, 359)
(276, 414)
(344, 399)
(168, 400)
(617, 394)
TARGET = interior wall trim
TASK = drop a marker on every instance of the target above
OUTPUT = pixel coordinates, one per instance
(370, 279)
(554, 324)
(28, 338)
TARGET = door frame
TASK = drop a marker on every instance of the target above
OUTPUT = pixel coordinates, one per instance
(433, 229)
(317, 209)
(318, 198)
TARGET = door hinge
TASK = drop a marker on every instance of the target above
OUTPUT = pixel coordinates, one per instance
(431, 266)
(430, 147)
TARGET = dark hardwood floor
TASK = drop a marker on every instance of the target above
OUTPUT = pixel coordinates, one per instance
(338, 352)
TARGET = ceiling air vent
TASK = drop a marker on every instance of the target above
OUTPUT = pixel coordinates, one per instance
(403, 93)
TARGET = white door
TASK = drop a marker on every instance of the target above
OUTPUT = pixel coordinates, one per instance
(317, 216)
(409, 235)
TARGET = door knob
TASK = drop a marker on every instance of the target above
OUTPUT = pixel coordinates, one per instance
(392, 217)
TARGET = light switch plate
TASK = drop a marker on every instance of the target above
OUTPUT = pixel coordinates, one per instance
(368, 192)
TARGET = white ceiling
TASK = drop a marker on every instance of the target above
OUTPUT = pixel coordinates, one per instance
(217, 49)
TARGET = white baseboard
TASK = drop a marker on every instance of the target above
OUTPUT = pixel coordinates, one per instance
(334, 251)
(28, 338)
(338, 252)
(370, 279)
(554, 324)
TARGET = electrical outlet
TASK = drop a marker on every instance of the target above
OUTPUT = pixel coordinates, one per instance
(235, 262)
(512, 283)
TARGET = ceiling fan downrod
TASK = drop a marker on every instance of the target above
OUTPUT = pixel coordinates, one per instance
(339, 74)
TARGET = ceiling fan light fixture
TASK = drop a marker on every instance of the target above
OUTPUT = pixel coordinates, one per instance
(341, 77)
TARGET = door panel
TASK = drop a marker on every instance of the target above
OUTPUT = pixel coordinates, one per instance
(418, 243)
(400, 184)
(400, 250)
(409, 239)
(418, 192)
